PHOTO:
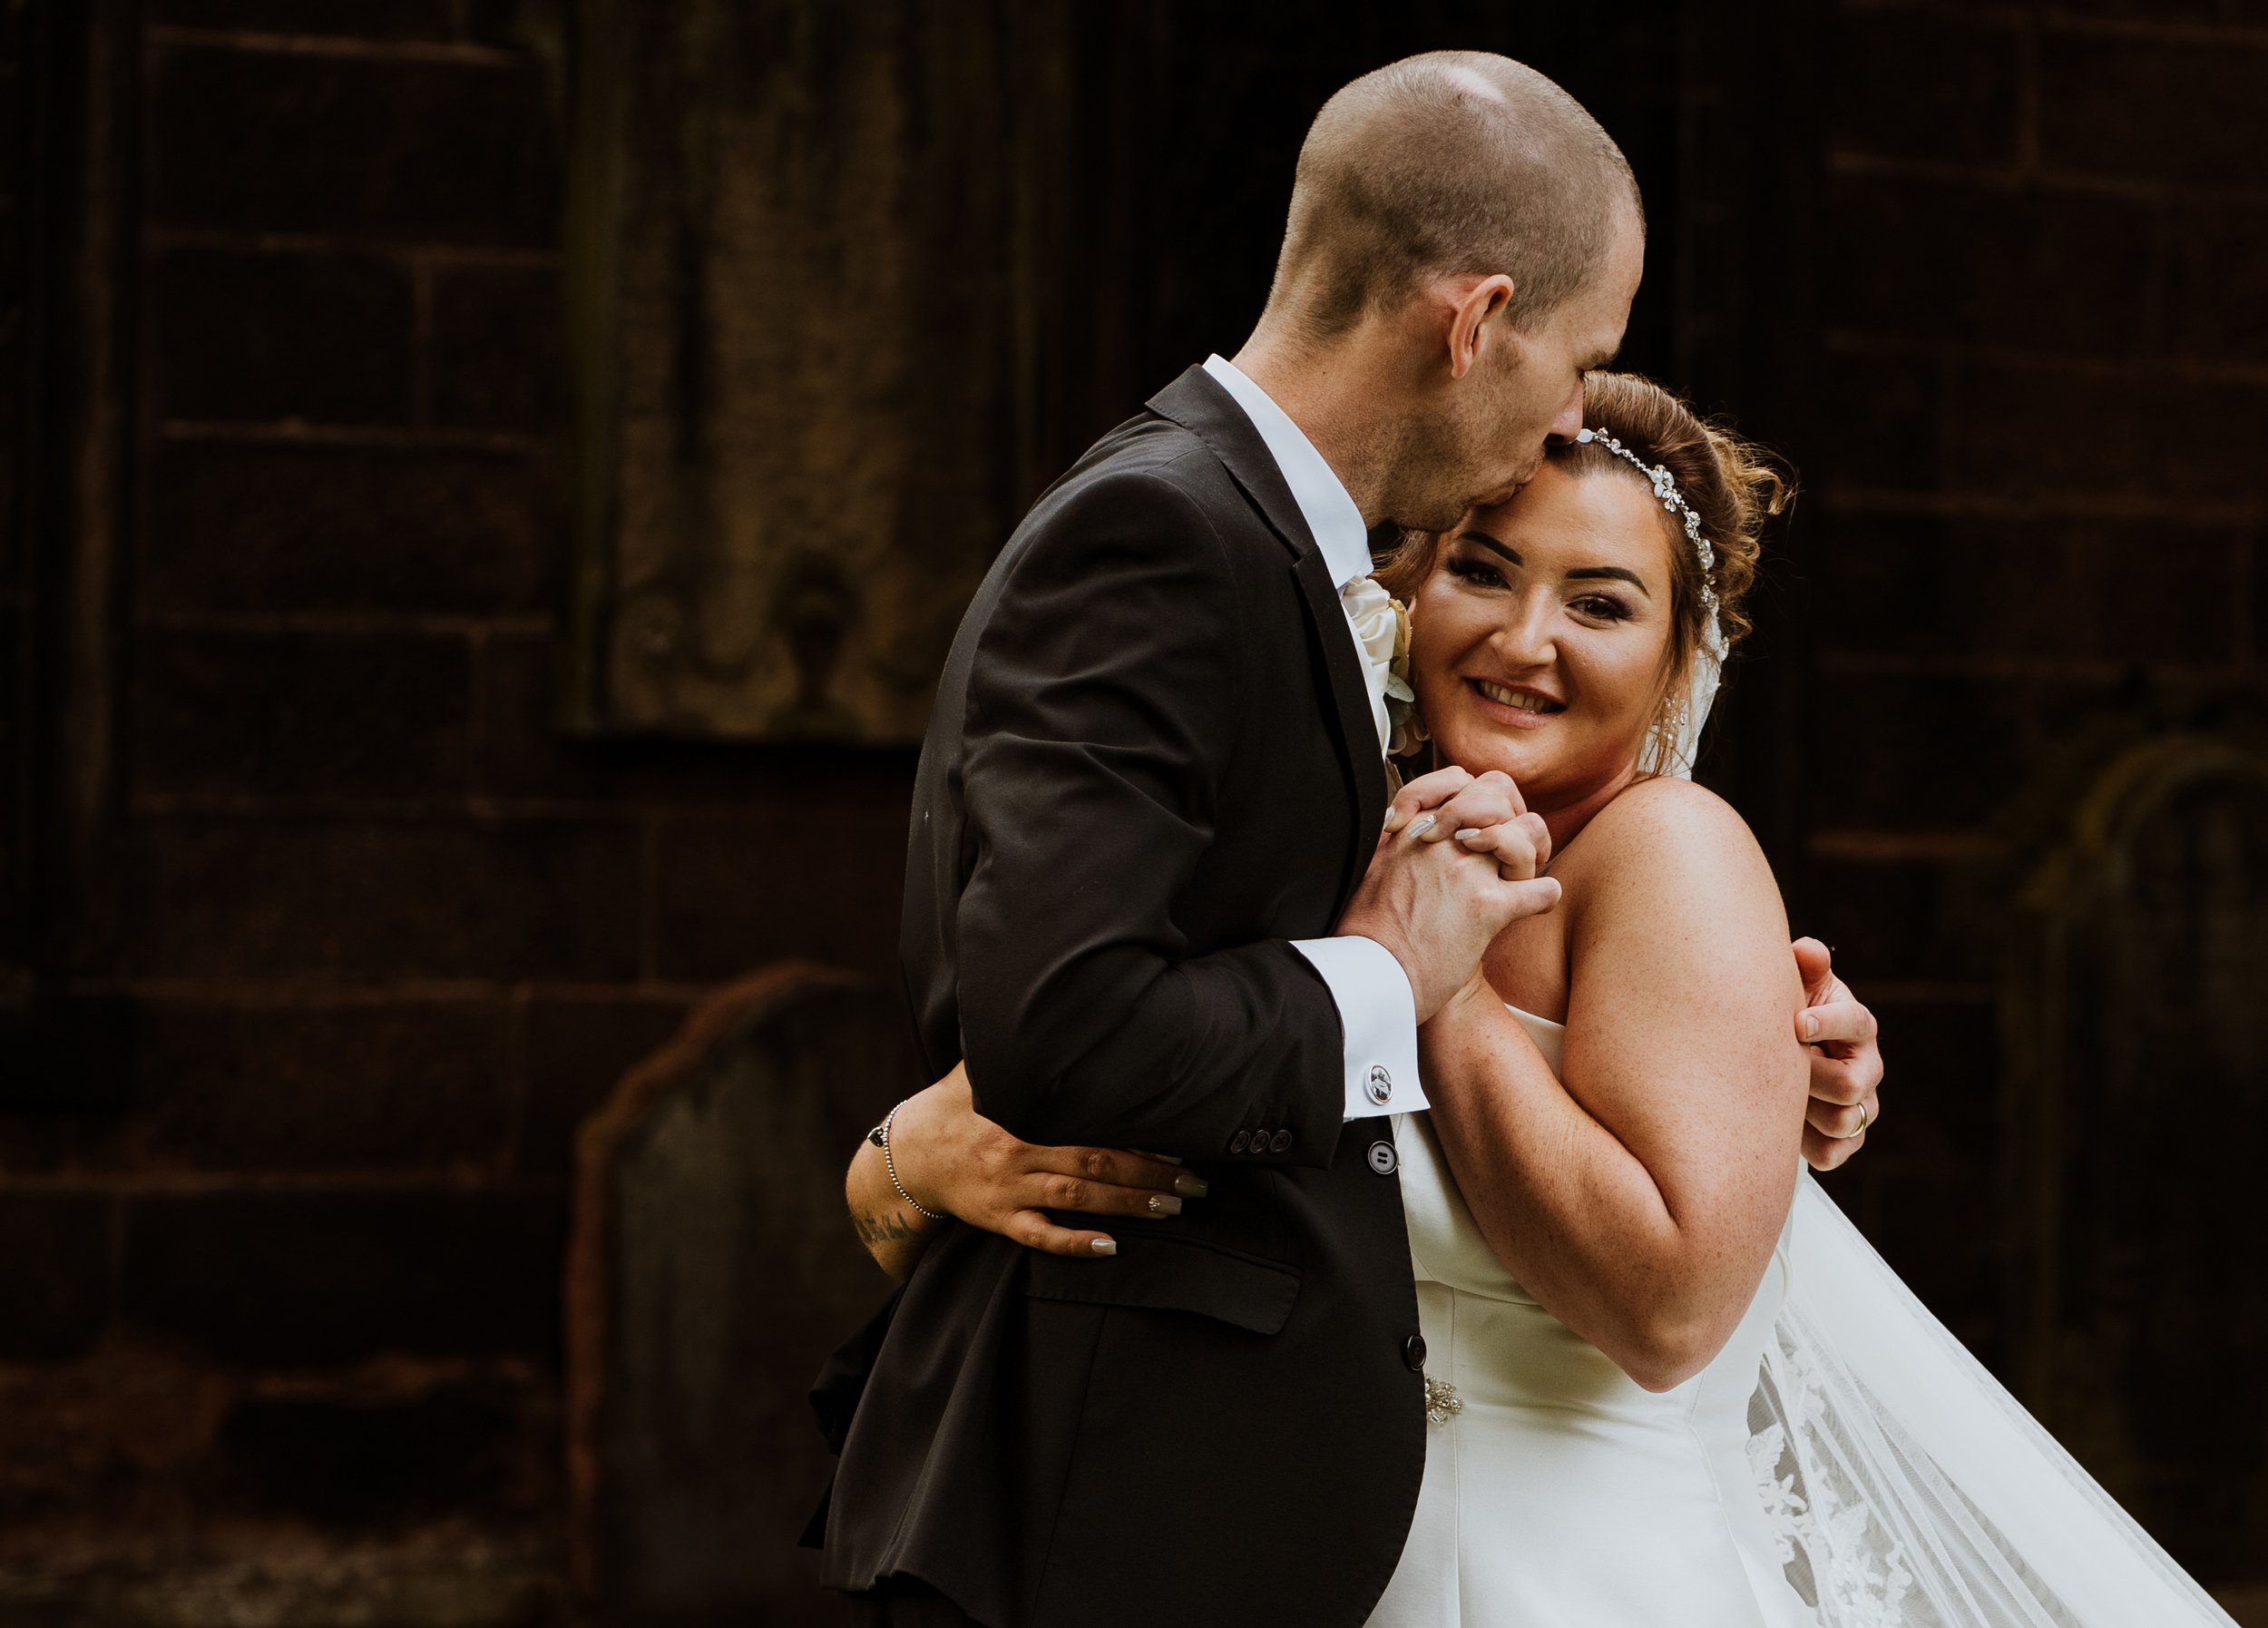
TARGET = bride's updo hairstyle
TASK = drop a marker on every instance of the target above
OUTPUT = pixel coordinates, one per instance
(1730, 483)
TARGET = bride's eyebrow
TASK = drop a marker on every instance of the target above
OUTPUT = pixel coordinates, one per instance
(1590, 573)
(1492, 546)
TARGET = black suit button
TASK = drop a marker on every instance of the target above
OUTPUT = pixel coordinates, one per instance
(1413, 1353)
(1240, 1142)
(1383, 1159)
(1280, 1141)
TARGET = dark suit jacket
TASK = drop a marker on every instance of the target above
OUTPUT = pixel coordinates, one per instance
(1151, 763)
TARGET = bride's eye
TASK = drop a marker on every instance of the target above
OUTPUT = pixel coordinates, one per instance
(1602, 607)
(1475, 570)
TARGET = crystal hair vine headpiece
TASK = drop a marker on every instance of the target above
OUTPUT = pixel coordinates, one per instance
(1664, 486)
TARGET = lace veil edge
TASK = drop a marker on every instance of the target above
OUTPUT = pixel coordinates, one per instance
(1910, 1490)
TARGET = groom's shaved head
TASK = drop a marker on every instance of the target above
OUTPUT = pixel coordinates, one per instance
(1452, 162)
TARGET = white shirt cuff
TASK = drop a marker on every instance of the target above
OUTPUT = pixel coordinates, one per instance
(1378, 1016)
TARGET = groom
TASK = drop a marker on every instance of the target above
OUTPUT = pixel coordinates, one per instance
(1152, 782)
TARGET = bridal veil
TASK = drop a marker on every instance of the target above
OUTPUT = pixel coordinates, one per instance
(1909, 1490)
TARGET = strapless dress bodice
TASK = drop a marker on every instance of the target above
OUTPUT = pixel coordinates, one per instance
(1558, 1490)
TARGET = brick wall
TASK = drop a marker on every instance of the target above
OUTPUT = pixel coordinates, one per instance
(2043, 257)
(16, 585)
(383, 934)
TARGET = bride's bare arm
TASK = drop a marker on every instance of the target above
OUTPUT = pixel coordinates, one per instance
(962, 1165)
(1639, 1201)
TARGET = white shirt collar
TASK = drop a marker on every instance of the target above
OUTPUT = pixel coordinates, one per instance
(1322, 496)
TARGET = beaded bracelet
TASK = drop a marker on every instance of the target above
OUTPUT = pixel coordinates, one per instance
(880, 1137)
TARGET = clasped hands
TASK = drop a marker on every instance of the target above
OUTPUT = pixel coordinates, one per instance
(1460, 860)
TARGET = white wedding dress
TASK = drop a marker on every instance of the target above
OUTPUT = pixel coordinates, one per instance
(1842, 1462)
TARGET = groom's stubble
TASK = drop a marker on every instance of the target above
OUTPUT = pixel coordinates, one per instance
(1446, 464)
(1430, 489)
(1478, 441)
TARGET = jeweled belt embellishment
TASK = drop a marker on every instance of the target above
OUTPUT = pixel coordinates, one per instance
(1441, 1401)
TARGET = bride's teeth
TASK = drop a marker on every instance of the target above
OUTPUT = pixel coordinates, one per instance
(1510, 698)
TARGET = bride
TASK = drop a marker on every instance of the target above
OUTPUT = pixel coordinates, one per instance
(1667, 1382)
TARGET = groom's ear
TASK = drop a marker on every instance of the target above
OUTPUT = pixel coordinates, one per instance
(1469, 334)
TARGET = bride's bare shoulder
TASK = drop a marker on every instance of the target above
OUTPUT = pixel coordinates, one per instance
(1662, 810)
(1671, 832)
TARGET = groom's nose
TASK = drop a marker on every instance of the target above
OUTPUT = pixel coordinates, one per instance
(1570, 418)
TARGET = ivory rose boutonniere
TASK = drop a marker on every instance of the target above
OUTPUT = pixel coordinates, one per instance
(1408, 729)
(1381, 623)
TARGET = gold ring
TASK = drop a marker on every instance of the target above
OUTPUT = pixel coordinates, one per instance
(1862, 1129)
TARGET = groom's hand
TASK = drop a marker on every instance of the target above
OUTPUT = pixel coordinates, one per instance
(1436, 904)
(1846, 1063)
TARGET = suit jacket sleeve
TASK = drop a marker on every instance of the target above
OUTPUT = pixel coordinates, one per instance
(1101, 713)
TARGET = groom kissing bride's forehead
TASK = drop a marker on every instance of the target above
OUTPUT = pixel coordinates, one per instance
(1148, 905)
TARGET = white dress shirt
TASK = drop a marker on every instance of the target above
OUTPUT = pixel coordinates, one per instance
(1377, 1014)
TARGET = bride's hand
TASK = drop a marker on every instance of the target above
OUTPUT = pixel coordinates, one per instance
(1523, 848)
(957, 1162)
(1487, 815)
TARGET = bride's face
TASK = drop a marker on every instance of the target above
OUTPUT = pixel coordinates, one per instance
(1538, 641)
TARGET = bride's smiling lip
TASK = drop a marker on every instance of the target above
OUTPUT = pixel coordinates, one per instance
(1522, 706)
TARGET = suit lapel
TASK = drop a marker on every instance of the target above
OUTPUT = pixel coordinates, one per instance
(1198, 404)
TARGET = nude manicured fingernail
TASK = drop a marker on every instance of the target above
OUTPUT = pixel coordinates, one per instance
(1164, 1204)
(1422, 824)
(1194, 1187)
(1393, 820)
(1106, 1246)
(1469, 833)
